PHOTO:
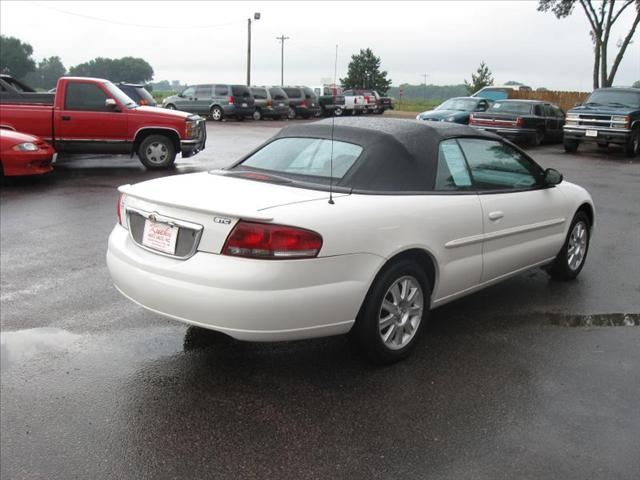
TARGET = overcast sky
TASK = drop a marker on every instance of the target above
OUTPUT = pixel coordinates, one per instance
(207, 41)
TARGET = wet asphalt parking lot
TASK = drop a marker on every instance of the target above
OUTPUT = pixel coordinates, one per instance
(529, 379)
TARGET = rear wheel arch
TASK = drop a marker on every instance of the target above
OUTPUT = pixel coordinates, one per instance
(146, 132)
(422, 257)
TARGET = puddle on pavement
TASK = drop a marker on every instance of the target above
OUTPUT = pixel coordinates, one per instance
(595, 320)
(22, 345)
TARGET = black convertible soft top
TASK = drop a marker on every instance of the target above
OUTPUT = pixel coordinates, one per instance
(398, 155)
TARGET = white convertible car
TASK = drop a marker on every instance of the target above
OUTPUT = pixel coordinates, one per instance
(362, 227)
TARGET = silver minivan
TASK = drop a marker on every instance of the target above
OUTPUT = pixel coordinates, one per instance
(270, 102)
(217, 101)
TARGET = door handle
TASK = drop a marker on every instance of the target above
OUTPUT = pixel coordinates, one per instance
(497, 215)
(65, 118)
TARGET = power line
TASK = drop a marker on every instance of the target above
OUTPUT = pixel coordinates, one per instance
(137, 25)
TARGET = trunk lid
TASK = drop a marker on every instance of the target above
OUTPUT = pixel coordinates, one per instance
(213, 201)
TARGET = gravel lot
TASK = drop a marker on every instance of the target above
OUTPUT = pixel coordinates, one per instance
(528, 379)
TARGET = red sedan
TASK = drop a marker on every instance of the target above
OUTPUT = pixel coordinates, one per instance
(22, 154)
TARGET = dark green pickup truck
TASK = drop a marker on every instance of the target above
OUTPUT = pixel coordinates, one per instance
(331, 102)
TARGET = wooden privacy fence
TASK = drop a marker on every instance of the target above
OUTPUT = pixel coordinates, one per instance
(565, 100)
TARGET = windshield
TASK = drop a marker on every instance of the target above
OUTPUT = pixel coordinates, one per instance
(304, 156)
(465, 105)
(615, 98)
(510, 107)
(120, 96)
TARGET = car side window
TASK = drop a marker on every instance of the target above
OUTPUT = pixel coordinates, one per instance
(537, 111)
(221, 90)
(498, 166)
(548, 111)
(453, 172)
(203, 91)
(557, 111)
(85, 97)
(189, 92)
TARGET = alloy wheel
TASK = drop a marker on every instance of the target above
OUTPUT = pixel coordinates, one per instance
(401, 312)
(577, 246)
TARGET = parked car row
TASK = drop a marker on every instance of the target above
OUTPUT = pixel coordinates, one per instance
(610, 116)
(220, 101)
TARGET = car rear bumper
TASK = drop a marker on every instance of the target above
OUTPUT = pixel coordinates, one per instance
(604, 135)
(255, 300)
(269, 112)
(516, 134)
(307, 111)
(238, 110)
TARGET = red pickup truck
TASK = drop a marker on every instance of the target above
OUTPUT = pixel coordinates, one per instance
(91, 115)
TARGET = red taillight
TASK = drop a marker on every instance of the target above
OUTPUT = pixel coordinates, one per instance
(119, 208)
(263, 240)
(269, 103)
(303, 104)
(231, 100)
(519, 122)
(471, 119)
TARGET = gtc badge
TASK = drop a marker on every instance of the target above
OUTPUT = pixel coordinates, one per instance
(222, 220)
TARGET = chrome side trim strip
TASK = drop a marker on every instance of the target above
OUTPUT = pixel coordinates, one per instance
(461, 242)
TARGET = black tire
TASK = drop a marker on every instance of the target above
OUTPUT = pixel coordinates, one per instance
(561, 268)
(291, 114)
(276, 117)
(338, 112)
(257, 115)
(538, 138)
(216, 114)
(170, 106)
(306, 116)
(632, 147)
(571, 146)
(367, 333)
(157, 152)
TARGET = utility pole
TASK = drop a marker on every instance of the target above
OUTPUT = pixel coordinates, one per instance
(424, 94)
(282, 39)
(256, 16)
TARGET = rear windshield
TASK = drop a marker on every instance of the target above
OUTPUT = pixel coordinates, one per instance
(277, 93)
(259, 93)
(293, 92)
(510, 107)
(310, 157)
(240, 91)
(142, 92)
(308, 92)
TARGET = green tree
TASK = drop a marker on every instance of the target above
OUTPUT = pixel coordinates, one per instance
(513, 82)
(125, 69)
(15, 57)
(364, 72)
(47, 73)
(602, 15)
(482, 78)
(636, 84)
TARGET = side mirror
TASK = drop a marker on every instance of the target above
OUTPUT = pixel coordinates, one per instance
(180, 95)
(552, 177)
(111, 104)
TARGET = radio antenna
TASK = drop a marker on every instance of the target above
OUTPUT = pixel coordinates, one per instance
(333, 124)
